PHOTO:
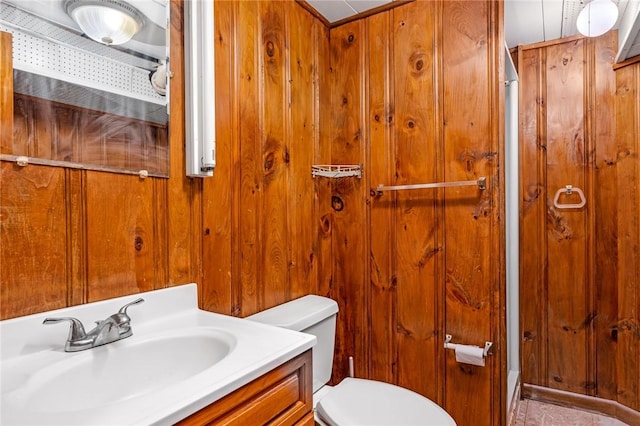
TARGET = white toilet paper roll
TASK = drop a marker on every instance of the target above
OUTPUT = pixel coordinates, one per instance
(468, 354)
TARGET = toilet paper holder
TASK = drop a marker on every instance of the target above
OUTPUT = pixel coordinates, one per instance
(449, 345)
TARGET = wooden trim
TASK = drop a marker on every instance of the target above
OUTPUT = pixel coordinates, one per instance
(306, 6)
(552, 42)
(365, 14)
(583, 402)
(630, 61)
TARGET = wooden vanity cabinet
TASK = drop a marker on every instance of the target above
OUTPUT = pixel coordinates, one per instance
(282, 396)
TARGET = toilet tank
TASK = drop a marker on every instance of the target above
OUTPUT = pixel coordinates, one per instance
(309, 314)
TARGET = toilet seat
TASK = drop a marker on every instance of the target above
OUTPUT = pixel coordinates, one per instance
(369, 402)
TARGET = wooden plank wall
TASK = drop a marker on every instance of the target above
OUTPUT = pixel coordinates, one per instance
(416, 99)
(413, 94)
(74, 236)
(576, 131)
(264, 234)
(627, 159)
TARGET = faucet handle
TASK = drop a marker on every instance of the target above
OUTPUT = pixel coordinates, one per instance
(76, 329)
(123, 310)
(122, 319)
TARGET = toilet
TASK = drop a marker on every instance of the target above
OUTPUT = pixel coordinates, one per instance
(353, 401)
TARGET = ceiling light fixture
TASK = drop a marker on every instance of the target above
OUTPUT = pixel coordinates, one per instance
(597, 17)
(109, 22)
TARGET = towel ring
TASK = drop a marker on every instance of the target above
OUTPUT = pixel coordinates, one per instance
(569, 191)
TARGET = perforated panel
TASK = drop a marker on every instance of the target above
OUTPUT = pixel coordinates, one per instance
(45, 51)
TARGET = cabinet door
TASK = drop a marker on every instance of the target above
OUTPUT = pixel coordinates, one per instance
(281, 397)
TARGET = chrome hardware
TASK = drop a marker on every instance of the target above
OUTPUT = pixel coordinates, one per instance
(116, 327)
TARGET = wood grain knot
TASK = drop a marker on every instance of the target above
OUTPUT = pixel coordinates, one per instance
(351, 38)
(269, 161)
(138, 243)
(376, 118)
(419, 65)
(325, 224)
(411, 124)
(336, 203)
(270, 49)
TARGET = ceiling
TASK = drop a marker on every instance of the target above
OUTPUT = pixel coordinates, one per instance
(526, 21)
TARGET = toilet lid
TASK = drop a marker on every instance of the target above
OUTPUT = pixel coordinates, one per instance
(368, 402)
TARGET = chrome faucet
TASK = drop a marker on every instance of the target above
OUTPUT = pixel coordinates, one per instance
(116, 327)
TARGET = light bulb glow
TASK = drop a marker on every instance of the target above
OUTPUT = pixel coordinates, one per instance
(597, 17)
(108, 22)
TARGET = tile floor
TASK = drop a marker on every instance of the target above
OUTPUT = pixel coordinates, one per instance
(534, 413)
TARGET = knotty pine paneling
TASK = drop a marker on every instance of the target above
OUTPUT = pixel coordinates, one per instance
(579, 267)
(472, 146)
(626, 157)
(262, 221)
(350, 237)
(419, 100)
(418, 241)
(34, 241)
(73, 236)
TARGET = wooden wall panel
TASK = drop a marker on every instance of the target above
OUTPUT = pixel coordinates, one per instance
(603, 233)
(418, 237)
(381, 160)
(307, 60)
(569, 322)
(84, 235)
(533, 314)
(350, 235)
(472, 144)
(274, 164)
(579, 266)
(427, 118)
(261, 205)
(6, 93)
(33, 238)
(120, 256)
(217, 193)
(627, 157)
(249, 134)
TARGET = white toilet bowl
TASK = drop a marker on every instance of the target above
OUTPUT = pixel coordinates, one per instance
(353, 402)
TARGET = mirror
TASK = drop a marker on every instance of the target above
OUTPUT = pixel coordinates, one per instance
(86, 99)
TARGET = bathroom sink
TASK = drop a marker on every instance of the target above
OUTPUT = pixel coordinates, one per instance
(126, 369)
(179, 360)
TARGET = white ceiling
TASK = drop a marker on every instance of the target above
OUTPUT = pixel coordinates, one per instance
(526, 21)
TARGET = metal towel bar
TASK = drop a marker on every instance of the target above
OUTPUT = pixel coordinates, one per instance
(481, 183)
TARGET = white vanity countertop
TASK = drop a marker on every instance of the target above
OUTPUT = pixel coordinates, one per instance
(33, 358)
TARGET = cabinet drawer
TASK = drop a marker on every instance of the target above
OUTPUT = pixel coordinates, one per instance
(281, 397)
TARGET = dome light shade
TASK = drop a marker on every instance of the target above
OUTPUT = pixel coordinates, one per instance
(597, 17)
(105, 21)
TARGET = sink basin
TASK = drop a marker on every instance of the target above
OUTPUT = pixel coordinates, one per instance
(127, 369)
(179, 360)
